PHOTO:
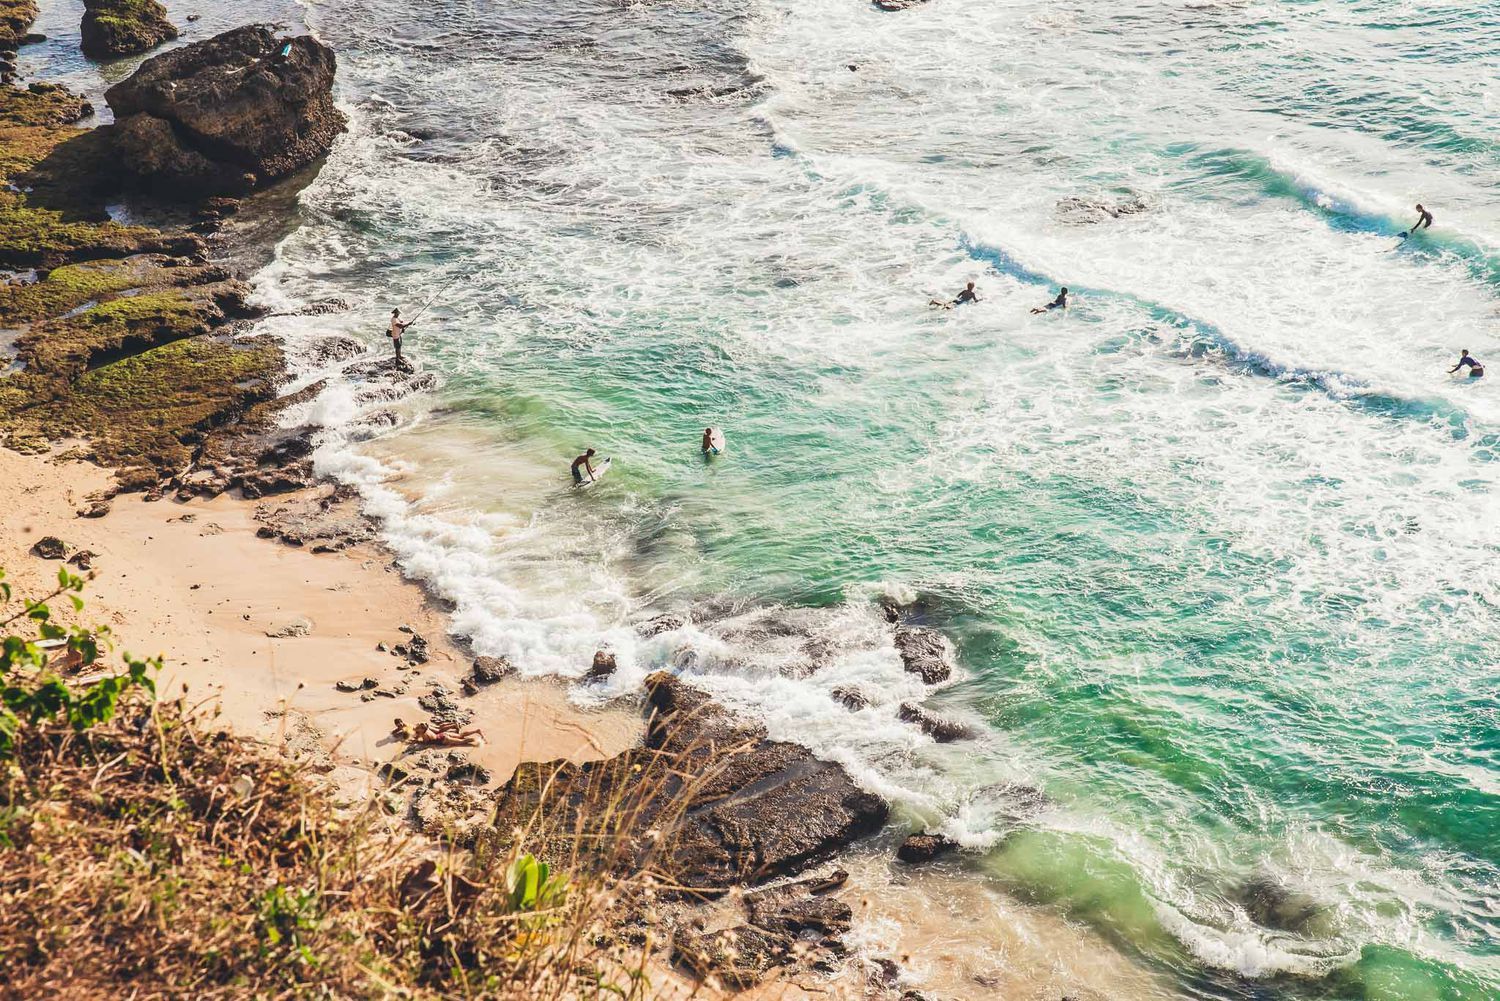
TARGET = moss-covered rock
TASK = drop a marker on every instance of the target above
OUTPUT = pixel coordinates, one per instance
(145, 412)
(15, 18)
(113, 28)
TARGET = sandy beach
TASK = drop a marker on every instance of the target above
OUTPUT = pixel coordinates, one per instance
(192, 582)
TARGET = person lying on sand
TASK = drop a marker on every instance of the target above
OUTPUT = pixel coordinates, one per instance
(969, 294)
(1061, 302)
(448, 735)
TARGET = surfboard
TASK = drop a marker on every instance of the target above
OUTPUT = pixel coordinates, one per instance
(599, 472)
(716, 442)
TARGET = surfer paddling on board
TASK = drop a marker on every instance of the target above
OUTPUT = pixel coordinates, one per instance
(397, 328)
(581, 465)
(1061, 302)
(1424, 221)
(969, 294)
(1476, 370)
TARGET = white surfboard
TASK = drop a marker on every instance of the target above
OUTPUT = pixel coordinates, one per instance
(716, 442)
(599, 472)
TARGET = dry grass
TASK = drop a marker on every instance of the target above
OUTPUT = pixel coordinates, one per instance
(157, 856)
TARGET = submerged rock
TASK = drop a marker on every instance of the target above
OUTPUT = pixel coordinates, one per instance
(227, 114)
(113, 28)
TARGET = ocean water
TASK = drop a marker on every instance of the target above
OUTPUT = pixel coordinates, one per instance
(1216, 547)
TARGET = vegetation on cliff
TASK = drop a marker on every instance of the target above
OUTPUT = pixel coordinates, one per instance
(113, 28)
(95, 332)
(145, 850)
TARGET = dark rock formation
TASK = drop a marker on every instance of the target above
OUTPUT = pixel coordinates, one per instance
(782, 922)
(924, 847)
(227, 114)
(488, 670)
(925, 653)
(732, 807)
(603, 666)
(853, 699)
(113, 28)
(944, 731)
(50, 547)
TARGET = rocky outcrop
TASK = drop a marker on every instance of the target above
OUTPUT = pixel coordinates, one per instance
(924, 848)
(726, 805)
(944, 731)
(226, 115)
(114, 28)
(925, 653)
(785, 925)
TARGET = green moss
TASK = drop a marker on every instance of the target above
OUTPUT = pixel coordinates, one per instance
(145, 410)
(67, 288)
(15, 18)
(60, 350)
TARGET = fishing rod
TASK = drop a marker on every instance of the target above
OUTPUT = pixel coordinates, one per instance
(434, 299)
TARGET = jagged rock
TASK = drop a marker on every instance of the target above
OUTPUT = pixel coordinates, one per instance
(468, 771)
(895, 5)
(49, 547)
(331, 521)
(924, 847)
(113, 28)
(732, 807)
(782, 922)
(488, 670)
(83, 559)
(96, 509)
(944, 731)
(852, 698)
(455, 812)
(413, 651)
(333, 350)
(666, 623)
(300, 626)
(392, 772)
(925, 653)
(226, 114)
(604, 665)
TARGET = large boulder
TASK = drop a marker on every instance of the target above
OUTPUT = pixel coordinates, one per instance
(114, 28)
(709, 801)
(228, 114)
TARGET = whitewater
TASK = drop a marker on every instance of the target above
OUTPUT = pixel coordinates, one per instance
(1215, 546)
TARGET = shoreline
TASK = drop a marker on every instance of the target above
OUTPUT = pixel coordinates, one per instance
(184, 569)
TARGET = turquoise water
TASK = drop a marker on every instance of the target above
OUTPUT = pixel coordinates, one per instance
(1215, 547)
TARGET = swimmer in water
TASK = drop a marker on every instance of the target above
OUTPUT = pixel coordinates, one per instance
(1061, 302)
(1476, 370)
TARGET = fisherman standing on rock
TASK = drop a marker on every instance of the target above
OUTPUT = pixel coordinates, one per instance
(398, 328)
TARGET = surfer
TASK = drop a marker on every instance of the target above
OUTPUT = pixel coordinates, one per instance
(708, 440)
(1476, 370)
(397, 328)
(1424, 221)
(969, 294)
(582, 463)
(1061, 302)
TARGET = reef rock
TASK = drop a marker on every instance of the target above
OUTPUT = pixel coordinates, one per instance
(727, 806)
(924, 847)
(113, 28)
(227, 114)
(925, 653)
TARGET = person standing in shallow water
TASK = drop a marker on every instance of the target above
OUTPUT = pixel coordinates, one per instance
(582, 464)
(397, 328)
(1476, 370)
